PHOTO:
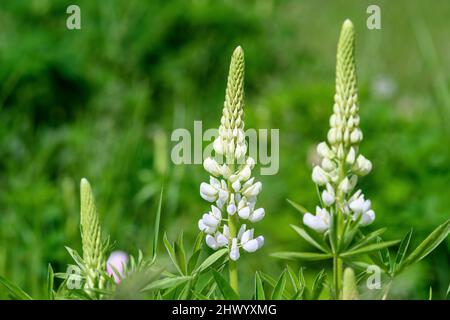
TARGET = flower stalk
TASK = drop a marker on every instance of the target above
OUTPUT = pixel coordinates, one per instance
(341, 164)
(231, 189)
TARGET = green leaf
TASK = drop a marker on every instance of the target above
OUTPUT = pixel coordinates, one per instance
(14, 291)
(333, 232)
(294, 279)
(50, 278)
(200, 296)
(259, 288)
(198, 242)
(211, 260)
(192, 263)
(307, 256)
(297, 206)
(172, 255)
(385, 256)
(401, 252)
(271, 281)
(166, 283)
(157, 222)
(76, 257)
(278, 291)
(318, 284)
(305, 235)
(224, 287)
(367, 238)
(369, 248)
(181, 254)
(428, 245)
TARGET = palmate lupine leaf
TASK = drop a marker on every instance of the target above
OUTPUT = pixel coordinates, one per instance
(428, 245)
(310, 238)
(306, 256)
(211, 260)
(259, 288)
(278, 290)
(402, 250)
(369, 248)
(224, 286)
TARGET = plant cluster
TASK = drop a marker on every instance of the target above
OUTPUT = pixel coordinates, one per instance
(336, 229)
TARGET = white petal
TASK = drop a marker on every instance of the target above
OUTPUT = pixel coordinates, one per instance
(257, 215)
(260, 240)
(244, 213)
(207, 197)
(367, 218)
(211, 166)
(211, 242)
(314, 223)
(214, 182)
(231, 209)
(250, 246)
(223, 195)
(241, 231)
(234, 250)
(319, 176)
(210, 220)
(221, 239)
(236, 185)
(323, 150)
(327, 198)
(201, 225)
(226, 231)
(245, 173)
(216, 213)
(207, 189)
(246, 236)
(357, 205)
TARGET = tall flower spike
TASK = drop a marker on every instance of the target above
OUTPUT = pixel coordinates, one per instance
(231, 140)
(91, 236)
(341, 164)
(231, 188)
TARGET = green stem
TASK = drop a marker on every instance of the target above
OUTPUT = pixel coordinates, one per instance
(232, 265)
(337, 276)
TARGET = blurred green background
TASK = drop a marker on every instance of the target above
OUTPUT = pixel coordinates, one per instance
(101, 103)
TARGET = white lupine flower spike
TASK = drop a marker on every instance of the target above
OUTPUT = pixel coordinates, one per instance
(232, 190)
(340, 164)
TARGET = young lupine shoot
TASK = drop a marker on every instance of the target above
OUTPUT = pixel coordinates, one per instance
(231, 188)
(93, 246)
